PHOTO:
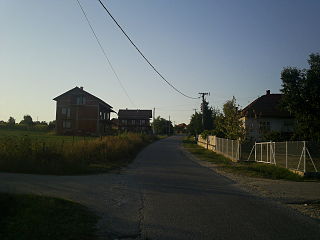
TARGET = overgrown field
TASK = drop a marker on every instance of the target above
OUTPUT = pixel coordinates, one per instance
(25, 216)
(46, 153)
(251, 169)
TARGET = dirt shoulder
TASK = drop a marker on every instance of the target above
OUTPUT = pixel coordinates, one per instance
(302, 196)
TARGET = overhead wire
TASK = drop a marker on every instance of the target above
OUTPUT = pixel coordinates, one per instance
(143, 56)
(104, 52)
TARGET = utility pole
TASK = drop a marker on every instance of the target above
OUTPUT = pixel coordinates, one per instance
(169, 125)
(195, 111)
(202, 108)
(154, 113)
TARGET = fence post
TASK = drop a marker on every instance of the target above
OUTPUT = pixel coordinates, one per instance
(255, 151)
(268, 152)
(227, 152)
(304, 156)
(286, 154)
(207, 142)
(232, 148)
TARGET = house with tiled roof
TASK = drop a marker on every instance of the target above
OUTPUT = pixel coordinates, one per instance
(78, 112)
(264, 115)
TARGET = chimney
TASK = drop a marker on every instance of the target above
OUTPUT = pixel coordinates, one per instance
(81, 88)
(268, 92)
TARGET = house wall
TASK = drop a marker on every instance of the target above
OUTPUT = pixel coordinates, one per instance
(134, 125)
(83, 118)
(255, 127)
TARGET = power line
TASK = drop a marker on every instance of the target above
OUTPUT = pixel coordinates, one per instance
(144, 57)
(104, 52)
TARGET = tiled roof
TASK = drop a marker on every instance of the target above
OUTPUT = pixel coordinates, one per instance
(266, 106)
(134, 114)
(78, 90)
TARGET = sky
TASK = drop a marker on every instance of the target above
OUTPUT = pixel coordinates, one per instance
(225, 47)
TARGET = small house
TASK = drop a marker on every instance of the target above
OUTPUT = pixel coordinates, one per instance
(134, 120)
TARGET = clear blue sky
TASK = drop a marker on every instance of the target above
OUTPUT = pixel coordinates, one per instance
(229, 48)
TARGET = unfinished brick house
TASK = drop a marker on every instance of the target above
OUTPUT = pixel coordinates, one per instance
(134, 120)
(81, 113)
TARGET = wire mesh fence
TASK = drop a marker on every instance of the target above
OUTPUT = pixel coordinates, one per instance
(294, 155)
(301, 156)
(228, 148)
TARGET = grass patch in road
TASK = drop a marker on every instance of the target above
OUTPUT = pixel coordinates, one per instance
(24, 217)
(251, 169)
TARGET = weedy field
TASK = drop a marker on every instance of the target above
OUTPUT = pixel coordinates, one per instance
(47, 153)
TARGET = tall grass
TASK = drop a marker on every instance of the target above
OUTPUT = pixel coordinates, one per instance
(31, 155)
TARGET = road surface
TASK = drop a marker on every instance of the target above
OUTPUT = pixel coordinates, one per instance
(166, 195)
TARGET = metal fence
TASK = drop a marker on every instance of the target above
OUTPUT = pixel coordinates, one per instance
(228, 148)
(300, 156)
(294, 155)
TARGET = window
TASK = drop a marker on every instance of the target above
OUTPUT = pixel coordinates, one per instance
(265, 126)
(133, 122)
(66, 124)
(66, 111)
(142, 122)
(124, 122)
(81, 100)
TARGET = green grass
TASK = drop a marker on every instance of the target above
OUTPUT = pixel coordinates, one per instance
(251, 169)
(47, 136)
(47, 153)
(25, 217)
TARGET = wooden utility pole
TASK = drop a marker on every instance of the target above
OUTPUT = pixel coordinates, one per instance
(154, 113)
(195, 111)
(202, 106)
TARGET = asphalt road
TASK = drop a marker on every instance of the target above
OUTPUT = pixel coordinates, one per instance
(183, 200)
(164, 194)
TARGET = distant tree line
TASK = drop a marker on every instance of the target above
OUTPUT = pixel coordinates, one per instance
(27, 123)
(162, 126)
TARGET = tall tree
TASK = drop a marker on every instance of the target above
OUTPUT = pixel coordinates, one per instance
(27, 119)
(207, 116)
(229, 124)
(195, 126)
(11, 121)
(162, 126)
(301, 97)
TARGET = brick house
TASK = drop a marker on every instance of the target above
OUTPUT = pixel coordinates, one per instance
(81, 113)
(134, 120)
(265, 115)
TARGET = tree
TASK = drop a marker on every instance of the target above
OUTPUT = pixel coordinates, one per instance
(162, 126)
(228, 124)
(301, 97)
(195, 126)
(207, 116)
(52, 125)
(11, 121)
(27, 119)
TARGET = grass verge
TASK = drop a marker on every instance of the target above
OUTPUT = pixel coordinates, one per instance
(250, 169)
(37, 217)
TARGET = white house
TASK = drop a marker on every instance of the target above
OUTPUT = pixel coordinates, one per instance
(264, 115)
